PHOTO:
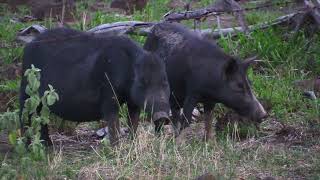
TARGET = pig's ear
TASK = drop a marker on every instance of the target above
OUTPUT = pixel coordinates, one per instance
(247, 62)
(230, 68)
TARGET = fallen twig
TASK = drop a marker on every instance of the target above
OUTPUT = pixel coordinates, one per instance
(120, 27)
(212, 11)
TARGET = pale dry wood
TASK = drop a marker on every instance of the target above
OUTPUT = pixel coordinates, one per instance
(310, 13)
(217, 33)
(234, 7)
(144, 28)
(120, 27)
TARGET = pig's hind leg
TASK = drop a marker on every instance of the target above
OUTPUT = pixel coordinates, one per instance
(133, 120)
(175, 118)
(188, 106)
(110, 110)
(208, 118)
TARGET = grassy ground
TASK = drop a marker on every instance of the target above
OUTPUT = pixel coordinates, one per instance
(287, 145)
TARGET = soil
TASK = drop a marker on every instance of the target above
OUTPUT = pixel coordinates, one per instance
(273, 132)
(6, 100)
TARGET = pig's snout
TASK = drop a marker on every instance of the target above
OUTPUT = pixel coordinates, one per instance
(259, 113)
(161, 116)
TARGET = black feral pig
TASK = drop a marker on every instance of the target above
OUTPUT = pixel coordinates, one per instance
(200, 72)
(94, 75)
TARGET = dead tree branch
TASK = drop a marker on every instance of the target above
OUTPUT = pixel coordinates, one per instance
(233, 6)
(119, 28)
(234, 30)
(309, 18)
(144, 28)
(212, 11)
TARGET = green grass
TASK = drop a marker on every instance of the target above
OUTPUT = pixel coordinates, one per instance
(10, 85)
(9, 52)
(285, 58)
(255, 17)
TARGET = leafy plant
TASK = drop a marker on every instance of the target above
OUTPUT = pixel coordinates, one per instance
(34, 154)
(31, 109)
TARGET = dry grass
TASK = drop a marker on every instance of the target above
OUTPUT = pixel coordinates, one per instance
(275, 154)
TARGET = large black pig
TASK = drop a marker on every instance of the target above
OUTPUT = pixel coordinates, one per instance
(200, 72)
(94, 75)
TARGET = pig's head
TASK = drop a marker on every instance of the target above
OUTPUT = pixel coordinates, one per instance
(150, 89)
(234, 90)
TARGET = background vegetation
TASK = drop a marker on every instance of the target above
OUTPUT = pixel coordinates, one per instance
(286, 145)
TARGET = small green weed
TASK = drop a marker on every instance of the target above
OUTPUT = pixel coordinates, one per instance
(35, 153)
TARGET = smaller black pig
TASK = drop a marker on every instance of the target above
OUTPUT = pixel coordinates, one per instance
(94, 75)
(200, 72)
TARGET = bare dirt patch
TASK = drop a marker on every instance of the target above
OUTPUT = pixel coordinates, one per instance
(5, 148)
(10, 71)
(83, 139)
(7, 100)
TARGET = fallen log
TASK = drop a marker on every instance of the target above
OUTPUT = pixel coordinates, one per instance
(119, 28)
(27, 35)
(217, 33)
(144, 28)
